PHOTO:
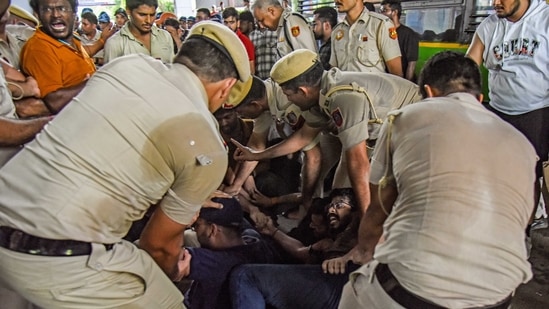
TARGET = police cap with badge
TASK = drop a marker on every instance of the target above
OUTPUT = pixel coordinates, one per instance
(228, 43)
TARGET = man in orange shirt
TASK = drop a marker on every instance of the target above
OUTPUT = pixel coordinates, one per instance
(54, 57)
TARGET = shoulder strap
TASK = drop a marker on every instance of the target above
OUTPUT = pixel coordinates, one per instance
(384, 181)
(286, 34)
(378, 39)
(372, 117)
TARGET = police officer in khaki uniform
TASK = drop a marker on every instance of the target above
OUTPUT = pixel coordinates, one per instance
(365, 41)
(266, 103)
(351, 105)
(292, 29)
(140, 134)
(466, 210)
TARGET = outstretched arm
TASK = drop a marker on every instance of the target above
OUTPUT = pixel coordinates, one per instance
(369, 232)
(100, 44)
(15, 132)
(295, 142)
(257, 141)
(291, 245)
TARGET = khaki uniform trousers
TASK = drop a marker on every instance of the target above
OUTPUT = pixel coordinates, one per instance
(364, 291)
(124, 277)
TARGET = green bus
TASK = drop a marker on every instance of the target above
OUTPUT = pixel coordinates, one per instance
(440, 24)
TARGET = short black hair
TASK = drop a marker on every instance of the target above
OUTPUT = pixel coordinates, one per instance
(395, 5)
(35, 5)
(318, 206)
(230, 11)
(89, 16)
(346, 192)
(327, 13)
(247, 16)
(205, 11)
(134, 4)
(205, 60)
(257, 91)
(171, 22)
(450, 72)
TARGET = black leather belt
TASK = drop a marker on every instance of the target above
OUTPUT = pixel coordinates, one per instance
(20, 241)
(410, 301)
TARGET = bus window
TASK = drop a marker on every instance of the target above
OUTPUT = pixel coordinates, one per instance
(434, 24)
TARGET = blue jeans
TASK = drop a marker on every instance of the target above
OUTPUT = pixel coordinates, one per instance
(286, 286)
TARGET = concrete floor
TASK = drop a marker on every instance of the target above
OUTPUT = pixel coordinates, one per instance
(532, 295)
(535, 293)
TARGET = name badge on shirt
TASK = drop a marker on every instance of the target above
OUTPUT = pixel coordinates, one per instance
(204, 160)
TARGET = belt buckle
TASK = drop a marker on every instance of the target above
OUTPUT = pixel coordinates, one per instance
(14, 238)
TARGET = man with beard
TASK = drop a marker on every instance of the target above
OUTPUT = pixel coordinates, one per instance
(339, 215)
(255, 286)
(324, 20)
(55, 58)
(408, 39)
(513, 44)
(140, 35)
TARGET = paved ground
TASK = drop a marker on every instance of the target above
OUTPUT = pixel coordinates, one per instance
(535, 293)
(532, 295)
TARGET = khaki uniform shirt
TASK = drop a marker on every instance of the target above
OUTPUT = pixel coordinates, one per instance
(121, 146)
(365, 45)
(294, 33)
(124, 43)
(280, 110)
(347, 112)
(7, 110)
(17, 36)
(465, 181)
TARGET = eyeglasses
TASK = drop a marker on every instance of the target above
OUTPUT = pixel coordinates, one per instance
(384, 10)
(338, 205)
(50, 9)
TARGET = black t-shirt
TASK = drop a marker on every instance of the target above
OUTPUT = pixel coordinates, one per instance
(408, 40)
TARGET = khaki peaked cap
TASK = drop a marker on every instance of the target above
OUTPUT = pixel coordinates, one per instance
(22, 13)
(227, 41)
(293, 64)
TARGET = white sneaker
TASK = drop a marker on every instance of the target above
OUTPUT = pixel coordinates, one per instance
(540, 223)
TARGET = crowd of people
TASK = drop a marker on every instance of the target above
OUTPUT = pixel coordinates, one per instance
(253, 158)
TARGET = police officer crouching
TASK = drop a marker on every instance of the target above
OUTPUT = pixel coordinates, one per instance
(140, 134)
